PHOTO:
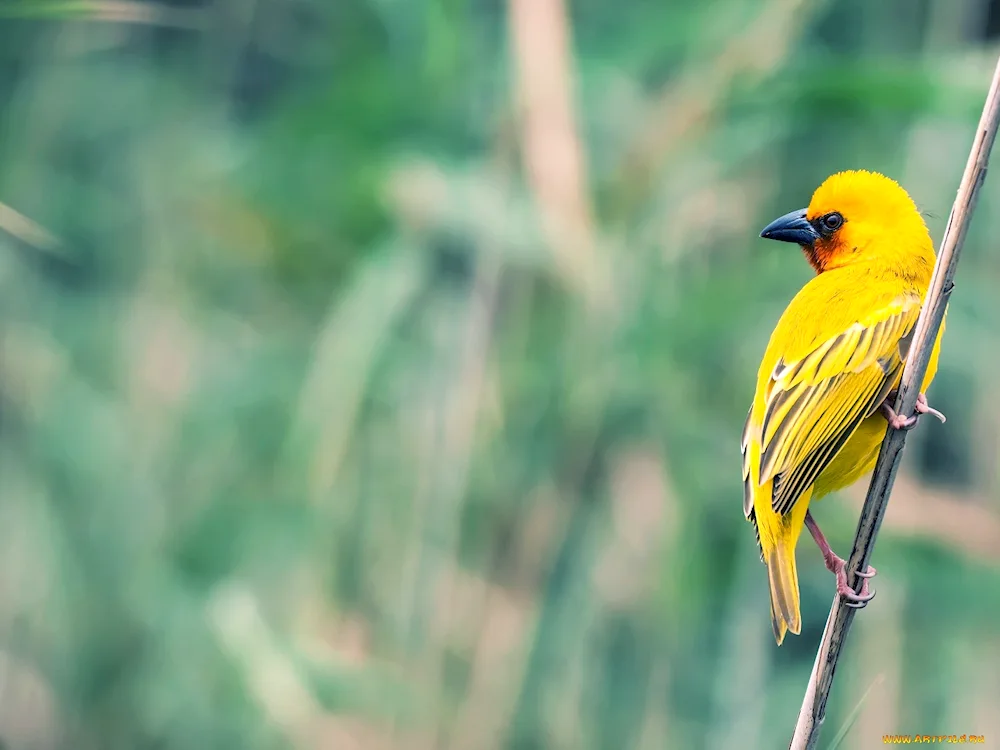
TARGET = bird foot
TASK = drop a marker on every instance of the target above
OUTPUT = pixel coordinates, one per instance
(854, 599)
(857, 600)
(838, 566)
(899, 422)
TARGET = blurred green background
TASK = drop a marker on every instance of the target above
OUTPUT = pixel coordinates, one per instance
(372, 372)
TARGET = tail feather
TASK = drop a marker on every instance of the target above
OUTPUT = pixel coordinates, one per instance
(784, 584)
(778, 625)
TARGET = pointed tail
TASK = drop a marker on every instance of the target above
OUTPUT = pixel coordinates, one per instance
(784, 583)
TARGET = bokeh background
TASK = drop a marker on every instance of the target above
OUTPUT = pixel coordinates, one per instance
(372, 372)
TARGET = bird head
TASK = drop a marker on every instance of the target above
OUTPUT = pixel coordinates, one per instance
(856, 216)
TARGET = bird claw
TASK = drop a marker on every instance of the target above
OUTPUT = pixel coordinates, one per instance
(857, 605)
(852, 598)
(899, 422)
(924, 408)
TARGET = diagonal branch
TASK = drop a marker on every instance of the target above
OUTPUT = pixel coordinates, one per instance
(813, 709)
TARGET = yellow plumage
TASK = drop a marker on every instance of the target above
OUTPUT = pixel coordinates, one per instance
(838, 349)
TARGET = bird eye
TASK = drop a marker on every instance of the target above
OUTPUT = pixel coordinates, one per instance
(832, 222)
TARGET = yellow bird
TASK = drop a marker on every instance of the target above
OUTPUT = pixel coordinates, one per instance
(825, 385)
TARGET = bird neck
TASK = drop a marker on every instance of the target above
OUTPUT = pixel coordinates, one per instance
(910, 259)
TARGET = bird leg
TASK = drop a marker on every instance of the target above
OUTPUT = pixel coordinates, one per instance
(838, 566)
(899, 422)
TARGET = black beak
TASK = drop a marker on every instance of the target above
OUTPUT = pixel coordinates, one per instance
(792, 227)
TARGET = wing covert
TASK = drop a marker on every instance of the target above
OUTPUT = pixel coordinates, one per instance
(814, 402)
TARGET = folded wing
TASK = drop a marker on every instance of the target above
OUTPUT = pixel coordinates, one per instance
(815, 401)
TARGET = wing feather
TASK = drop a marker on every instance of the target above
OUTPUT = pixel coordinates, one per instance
(864, 348)
(788, 486)
(747, 484)
(815, 402)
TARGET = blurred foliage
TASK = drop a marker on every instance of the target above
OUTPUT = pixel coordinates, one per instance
(308, 439)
